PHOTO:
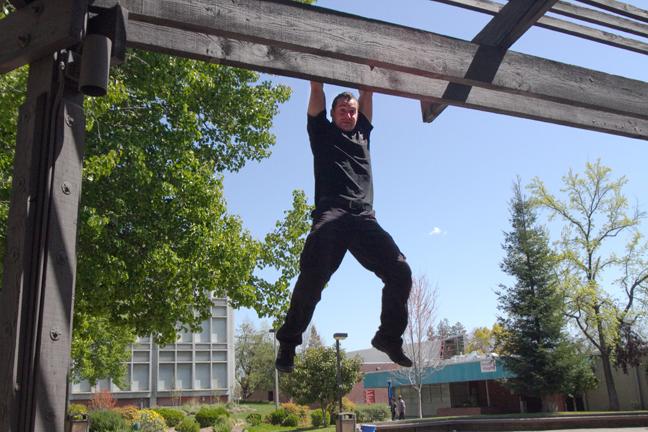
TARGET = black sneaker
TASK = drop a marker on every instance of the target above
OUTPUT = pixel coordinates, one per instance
(285, 358)
(394, 351)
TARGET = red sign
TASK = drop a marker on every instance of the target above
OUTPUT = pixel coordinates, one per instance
(370, 396)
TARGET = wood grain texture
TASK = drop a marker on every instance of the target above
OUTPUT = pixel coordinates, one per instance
(309, 66)
(510, 23)
(620, 8)
(39, 29)
(37, 296)
(332, 34)
(562, 26)
(600, 18)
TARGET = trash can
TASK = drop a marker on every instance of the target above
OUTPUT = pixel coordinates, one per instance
(78, 423)
(368, 428)
(345, 422)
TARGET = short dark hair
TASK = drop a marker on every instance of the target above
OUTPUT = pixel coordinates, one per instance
(344, 95)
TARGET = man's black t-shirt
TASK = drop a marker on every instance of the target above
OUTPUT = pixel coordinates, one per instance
(342, 162)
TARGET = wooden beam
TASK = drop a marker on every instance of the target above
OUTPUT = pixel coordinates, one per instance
(375, 43)
(562, 26)
(19, 3)
(39, 29)
(40, 265)
(512, 21)
(309, 66)
(601, 18)
(620, 8)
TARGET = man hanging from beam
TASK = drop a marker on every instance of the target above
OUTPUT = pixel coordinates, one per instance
(343, 220)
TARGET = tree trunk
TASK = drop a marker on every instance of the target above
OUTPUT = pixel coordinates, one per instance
(613, 399)
(609, 382)
(549, 403)
(420, 402)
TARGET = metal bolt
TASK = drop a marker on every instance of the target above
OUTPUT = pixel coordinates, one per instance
(15, 254)
(65, 187)
(55, 334)
(61, 258)
(20, 183)
(7, 328)
(24, 39)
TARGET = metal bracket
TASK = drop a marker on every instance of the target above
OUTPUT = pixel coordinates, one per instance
(110, 22)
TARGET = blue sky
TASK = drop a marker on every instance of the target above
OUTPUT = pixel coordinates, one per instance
(441, 189)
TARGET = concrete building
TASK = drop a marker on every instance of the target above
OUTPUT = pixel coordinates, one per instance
(632, 389)
(199, 367)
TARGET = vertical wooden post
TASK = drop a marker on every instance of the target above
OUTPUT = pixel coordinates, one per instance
(36, 300)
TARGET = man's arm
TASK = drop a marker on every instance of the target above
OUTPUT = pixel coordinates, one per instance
(365, 102)
(317, 101)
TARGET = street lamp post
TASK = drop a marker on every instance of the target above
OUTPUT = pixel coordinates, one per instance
(276, 373)
(338, 337)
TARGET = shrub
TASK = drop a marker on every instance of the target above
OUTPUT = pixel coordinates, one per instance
(207, 415)
(77, 411)
(222, 424)
(372, 412)
(222, 428)
(291, 420)
(172, 416)
(150, 421)
(277, 416)
(301, 411)
(102, 400)
(107, 421)
(253, 419)
(348, 405)
(188, 425)
(190, 408)
(128, 412)
(316, 418)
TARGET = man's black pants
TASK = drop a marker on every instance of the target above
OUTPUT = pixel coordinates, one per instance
(335, 231)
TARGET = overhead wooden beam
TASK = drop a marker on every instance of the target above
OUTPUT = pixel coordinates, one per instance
(601, 18)
(39, 29)
(512, 21)
(562, 26)
(375, 43)
(308, 66)
(620, 8)
(19, 3)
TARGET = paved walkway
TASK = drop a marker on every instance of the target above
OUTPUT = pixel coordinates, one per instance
(628, 429)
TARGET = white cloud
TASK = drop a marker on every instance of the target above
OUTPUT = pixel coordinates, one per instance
(436, 231)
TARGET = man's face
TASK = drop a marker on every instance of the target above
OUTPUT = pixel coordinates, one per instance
(345, 114)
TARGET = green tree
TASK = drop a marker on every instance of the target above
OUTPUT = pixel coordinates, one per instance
(155, 238)
(254, 356)
(314, 340)
(539, 353)
(596, 216)
(445, 329)
(314, 377)
(483, 340)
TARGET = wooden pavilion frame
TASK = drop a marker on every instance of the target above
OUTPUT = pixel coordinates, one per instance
(276, 36)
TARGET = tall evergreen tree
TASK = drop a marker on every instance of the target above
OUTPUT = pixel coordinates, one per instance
(539, 354)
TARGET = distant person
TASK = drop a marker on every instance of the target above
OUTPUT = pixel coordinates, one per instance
(401, 408)
(343, 220)
(392, 408)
